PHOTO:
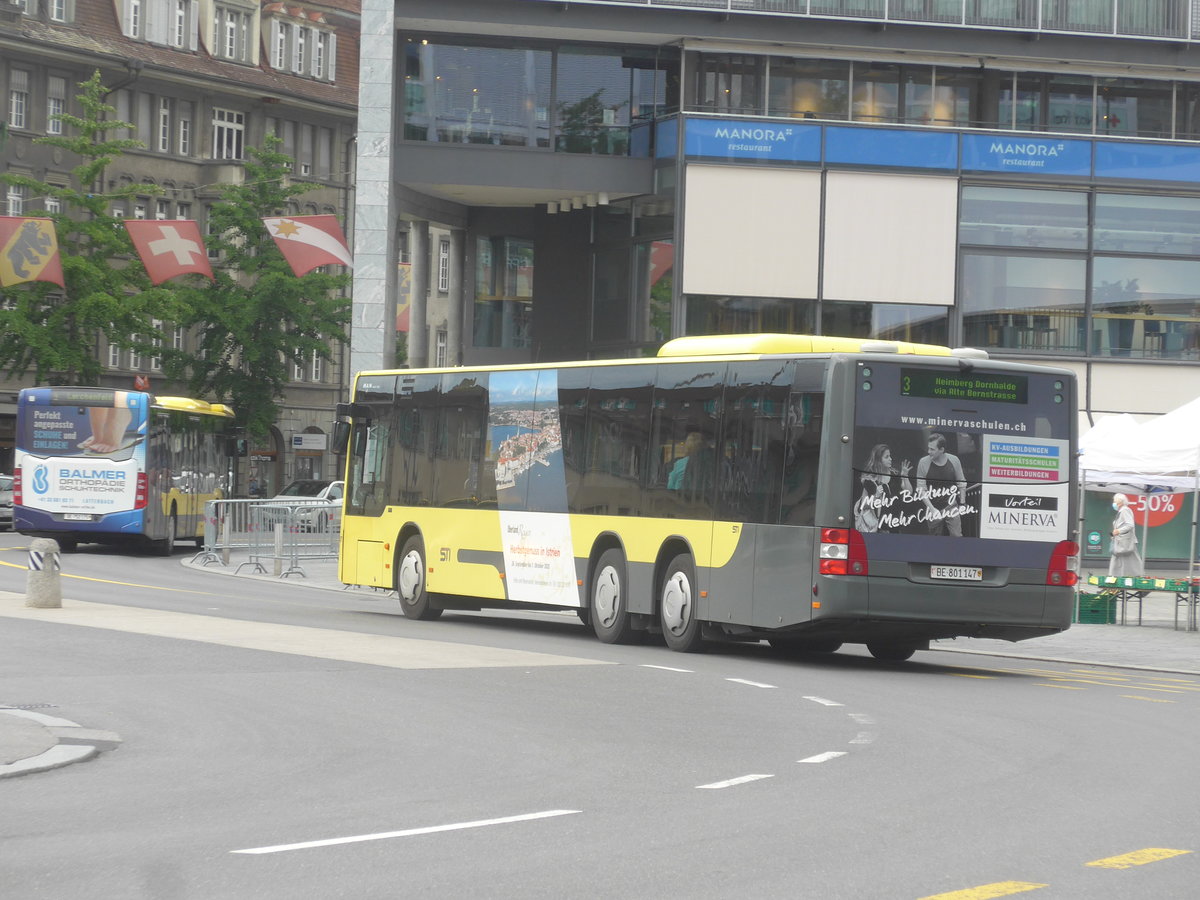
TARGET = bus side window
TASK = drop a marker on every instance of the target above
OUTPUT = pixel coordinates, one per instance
(750, 476)
(802, 451)
(572, 418)
(685, 467)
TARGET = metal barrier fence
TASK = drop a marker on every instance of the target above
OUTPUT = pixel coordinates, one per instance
(279, 531)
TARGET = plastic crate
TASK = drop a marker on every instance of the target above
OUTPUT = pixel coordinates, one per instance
(1097, 609)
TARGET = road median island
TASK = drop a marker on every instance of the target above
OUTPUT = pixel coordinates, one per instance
(345, 646)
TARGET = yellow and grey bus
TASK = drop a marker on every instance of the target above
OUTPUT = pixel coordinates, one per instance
(809, 491)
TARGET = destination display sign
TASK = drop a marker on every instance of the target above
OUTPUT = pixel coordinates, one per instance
(942, 384)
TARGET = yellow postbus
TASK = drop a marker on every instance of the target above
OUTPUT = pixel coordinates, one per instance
(809, 491)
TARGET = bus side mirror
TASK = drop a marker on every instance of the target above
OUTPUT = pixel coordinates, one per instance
(341, 436)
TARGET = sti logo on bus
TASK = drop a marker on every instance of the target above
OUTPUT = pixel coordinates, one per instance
(41, 483)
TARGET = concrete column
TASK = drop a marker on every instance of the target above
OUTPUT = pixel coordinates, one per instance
(373, 326)
(459, 304)
(43, 586)
(418, 326)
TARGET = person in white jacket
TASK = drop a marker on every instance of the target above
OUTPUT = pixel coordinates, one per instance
(1125, 560)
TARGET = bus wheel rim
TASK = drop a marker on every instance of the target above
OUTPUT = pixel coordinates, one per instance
(410, 576)
(606, 599)
(677, 603)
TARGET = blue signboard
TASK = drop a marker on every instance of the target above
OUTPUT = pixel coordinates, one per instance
(1030, 155)
(736, 139)
(891, 147)
(1158, 162)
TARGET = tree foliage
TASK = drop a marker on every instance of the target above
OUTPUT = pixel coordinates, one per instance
(257, 320)
(53, 332)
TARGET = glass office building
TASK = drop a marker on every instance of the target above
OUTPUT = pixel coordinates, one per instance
(590, 179)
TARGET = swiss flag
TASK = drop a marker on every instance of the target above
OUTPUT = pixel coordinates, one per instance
(310, 241)
(169, 247)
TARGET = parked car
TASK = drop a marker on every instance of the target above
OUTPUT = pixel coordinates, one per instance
(317, 504)
(6, 502)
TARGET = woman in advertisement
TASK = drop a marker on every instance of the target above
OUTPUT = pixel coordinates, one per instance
(1125, 560)
(878, 494)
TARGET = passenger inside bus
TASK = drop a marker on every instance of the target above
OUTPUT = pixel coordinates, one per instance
(693, 471)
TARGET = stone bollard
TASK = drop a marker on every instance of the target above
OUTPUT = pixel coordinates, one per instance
(43, 589)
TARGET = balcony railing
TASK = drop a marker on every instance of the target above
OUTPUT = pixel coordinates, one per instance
(1173, 20)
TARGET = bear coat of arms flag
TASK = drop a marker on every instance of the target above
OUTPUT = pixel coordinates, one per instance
(169, 247)
(29, 251)
(310, 241)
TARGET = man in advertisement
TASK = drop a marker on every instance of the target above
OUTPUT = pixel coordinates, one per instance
(948, 490)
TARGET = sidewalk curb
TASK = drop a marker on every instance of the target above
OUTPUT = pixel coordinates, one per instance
(73, 744)
(300, 581)
(1067, 661)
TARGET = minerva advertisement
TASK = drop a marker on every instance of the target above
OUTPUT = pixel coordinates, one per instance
(949, 454)
(525, 443)
(80, 451)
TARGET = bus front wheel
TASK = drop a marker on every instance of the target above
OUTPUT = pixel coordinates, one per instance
(610, 600)
(889, 652)
(677, 606)
(410, 581)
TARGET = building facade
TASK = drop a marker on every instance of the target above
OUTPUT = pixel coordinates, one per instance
(562, 180)
(201, 81)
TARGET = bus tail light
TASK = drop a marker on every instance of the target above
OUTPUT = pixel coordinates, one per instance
(1063, 570)
(843, 552)
(17, 487)
(143, 491)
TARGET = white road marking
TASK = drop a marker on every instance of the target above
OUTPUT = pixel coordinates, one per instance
(410, 832)
(666, 668)
(824, 702)
(751, 683)
(731, 782)
(862, 718)
(823, 757)
(863, 737)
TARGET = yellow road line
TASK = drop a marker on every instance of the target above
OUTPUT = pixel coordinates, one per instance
(1061, 687)
(149, 587)
(1136, 858)
(1147, 699)
(965, 675)
(988, 891)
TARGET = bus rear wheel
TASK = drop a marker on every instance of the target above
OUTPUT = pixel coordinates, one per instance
(677, 606)
(410, 581)
(610, 599)
(890, 652)
(167, 545)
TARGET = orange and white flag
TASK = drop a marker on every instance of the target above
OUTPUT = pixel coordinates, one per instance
(28, 251)
(310, 241)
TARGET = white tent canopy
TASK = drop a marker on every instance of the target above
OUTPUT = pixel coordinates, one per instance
(1121, 454)
(1162, 453)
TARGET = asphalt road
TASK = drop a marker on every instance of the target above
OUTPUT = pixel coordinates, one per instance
(541, 763)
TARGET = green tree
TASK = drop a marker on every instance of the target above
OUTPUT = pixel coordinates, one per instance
(257, 319)
(51, 331)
